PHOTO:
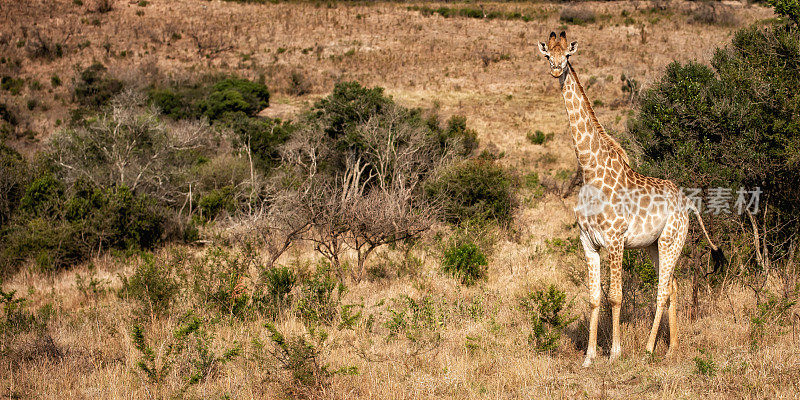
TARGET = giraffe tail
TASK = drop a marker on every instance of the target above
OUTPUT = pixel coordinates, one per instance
(720, 261)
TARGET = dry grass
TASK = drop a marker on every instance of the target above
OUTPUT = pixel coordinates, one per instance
(421, 61)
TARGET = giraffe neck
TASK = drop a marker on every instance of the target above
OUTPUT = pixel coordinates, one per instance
(586, 132)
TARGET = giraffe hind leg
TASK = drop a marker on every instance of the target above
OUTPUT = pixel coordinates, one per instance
(670, 245)
(673, 317)
(652, 251)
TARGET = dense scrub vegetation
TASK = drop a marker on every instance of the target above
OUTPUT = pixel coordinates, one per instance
(134, 170)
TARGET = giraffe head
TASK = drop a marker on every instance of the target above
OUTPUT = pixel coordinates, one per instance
(557, 52)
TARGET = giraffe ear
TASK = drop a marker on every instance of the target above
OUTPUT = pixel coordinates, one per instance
(573, 47)
(543, 48)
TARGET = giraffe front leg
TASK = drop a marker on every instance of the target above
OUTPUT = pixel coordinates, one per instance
(615, 253)
(593, 261)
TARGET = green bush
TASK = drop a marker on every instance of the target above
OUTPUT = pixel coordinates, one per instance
(733, 125)
(349, 119)
(300, 356)
(38, 232)
(181, 101)
(464, 260)
(189, 350)
(171, 103)
(279, 283)
(275, 293)
(538, 137)
(320, 296)
(219, 282)
(344, 113)
(44, 196)
(152, 285)
(7, 115)
(264, 136)
(11, 84)
(641, 268)
(59, 226)
(52, 246)
(342, 119)
(235, 95)
(154, 372)
(95, 88)
(193, 347)
(474, 190)
(419, 321)
(455, 130)
(550, 315)
(787, 8)
(117, 216)
(349, 106)
(214, 202)
(705, 365)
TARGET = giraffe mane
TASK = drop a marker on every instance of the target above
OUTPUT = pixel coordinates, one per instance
(604, 136)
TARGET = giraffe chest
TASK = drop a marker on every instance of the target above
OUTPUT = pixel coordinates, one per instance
(592, 231)
(596, 220)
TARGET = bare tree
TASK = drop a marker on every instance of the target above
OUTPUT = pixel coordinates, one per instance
(382, 218)
(396, 153)
(277, 224)
(364, 196)
(130, 146)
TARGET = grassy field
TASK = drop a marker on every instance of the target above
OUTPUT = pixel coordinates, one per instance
(421, 334)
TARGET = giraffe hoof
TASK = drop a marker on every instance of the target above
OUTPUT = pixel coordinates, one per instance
(614, 354)
(587, 362)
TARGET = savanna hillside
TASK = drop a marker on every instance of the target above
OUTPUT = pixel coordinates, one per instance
(196, 201)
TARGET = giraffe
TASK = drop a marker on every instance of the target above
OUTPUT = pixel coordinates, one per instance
(619, 208)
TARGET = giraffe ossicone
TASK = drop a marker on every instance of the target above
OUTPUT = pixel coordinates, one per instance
(619, 208)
